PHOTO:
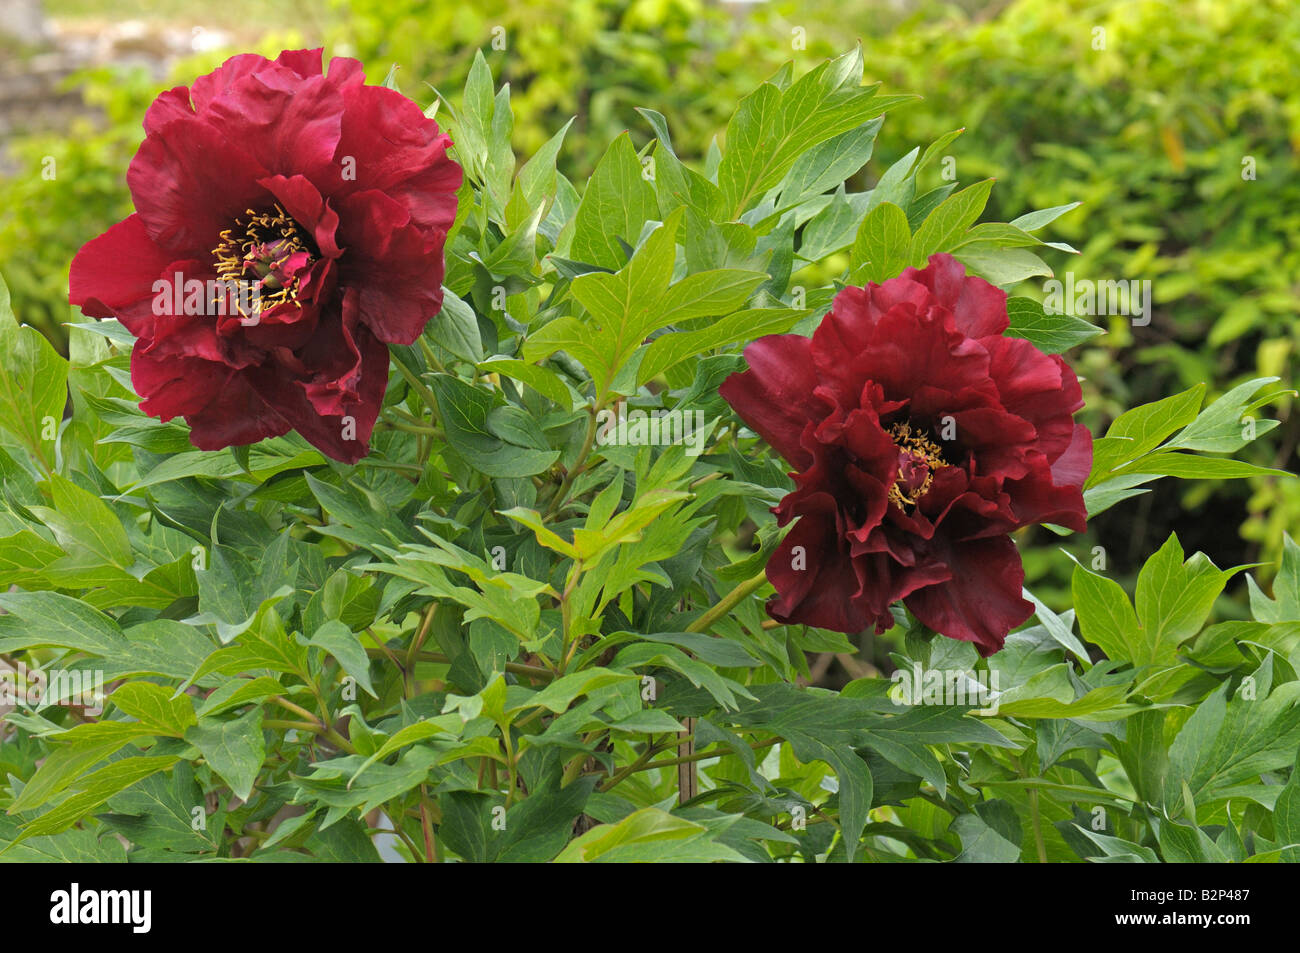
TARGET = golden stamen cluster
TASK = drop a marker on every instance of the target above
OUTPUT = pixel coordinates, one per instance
(921, 447)
(258, 229)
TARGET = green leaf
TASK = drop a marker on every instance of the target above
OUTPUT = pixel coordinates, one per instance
(539, 826)
(1181, 844)
(1050, 333)
(1058, 629)
(1285, 604)
(617, 202)
(1033, 221)
(1001, 266)
(238, 692)
(159, 709)
(49, 618)
(942, 227)
(1227, 743)
(670, 350)
(33, 384)
(339, 641)
(1286, 818)
(464, 409)
(455, 328)
(347, 842)
(829, 163)
(82, 522)
(232, 592)
(94, 789)
(410, 735)
(1219, 427)
(1106, 617)
(883, 244)
(1140, 430)
(981, 843)
(558, 695)
(545, 382)
(1189, 466)
(1116, 849)
(545, 536)
(162, 647)
(772, 128)
(158, 813)
(647, 835)
(627, 306)
(235, 749)
(1174, 599)
(68, 847)
(535, 184)
(75, 751)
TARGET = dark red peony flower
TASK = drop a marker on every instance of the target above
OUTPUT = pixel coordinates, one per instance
(289, 224)
(921, 437)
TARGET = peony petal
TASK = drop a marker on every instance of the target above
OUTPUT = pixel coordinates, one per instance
(814, 577)
(1037, 499)
(395, 148)
(235, 415)
(1074, 465)
(982, 602)
(904, 351)
(347, 374)
(775, 396)
(288, 124)
(211, 86)
(189, 183)
(390, 261)
(171, 104)
(306, 63)
(978, 308)
(1041, 389)
(302, 200)
(173, 386)
(113, 275)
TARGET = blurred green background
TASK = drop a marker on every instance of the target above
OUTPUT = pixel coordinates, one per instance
(1175, 123)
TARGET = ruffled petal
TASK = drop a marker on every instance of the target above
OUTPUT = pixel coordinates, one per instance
(775, 397)
(391, 263)
(815, 580)
(388, 144)
(331, 390)
(1041, 389)
(978, 308)
(287, 123)
(981, 603)
(114, 275)
(189, 183)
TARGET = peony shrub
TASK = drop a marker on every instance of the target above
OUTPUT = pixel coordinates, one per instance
(413, 503)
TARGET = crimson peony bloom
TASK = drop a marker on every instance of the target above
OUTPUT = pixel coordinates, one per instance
(289, 224)
(921, 437)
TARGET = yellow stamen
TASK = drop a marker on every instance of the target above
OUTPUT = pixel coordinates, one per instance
(260, 228)
(919, 447)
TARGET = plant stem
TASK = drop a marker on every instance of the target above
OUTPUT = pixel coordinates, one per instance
(557, 501)
(1037, 822)
(418, 642)
(419, 386)
(286, 724)
(297, 710)
(426, 823)
(673, 762)
(414, 428)
(518, 668)
(728, 602)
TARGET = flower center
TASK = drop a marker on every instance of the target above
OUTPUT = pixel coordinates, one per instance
(918, 459)
(272, 248)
